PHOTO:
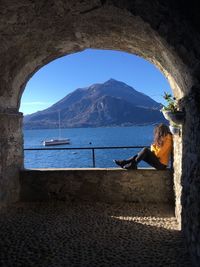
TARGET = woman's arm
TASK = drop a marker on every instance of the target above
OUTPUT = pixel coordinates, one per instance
(153, 147)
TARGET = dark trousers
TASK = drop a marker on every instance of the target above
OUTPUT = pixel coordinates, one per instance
(149, 157)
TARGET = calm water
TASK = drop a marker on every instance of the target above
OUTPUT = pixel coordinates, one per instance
(81, 137)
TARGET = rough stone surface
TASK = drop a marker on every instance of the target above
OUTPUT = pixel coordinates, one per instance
(191, 175)
(177, 165)
(83, 234)
(11, 156)
(105, 185)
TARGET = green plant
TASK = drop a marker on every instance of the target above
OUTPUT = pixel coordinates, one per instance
(171, 105)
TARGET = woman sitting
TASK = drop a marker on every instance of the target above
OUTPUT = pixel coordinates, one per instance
(159, 154)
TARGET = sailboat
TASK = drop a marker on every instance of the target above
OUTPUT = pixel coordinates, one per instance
(59, 141)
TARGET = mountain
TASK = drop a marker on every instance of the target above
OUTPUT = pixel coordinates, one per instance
(112, 103)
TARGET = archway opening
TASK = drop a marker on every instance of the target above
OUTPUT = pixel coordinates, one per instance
(103, 98)
(105, 28)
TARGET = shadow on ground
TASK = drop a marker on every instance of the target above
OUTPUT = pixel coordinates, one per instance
(83, 234)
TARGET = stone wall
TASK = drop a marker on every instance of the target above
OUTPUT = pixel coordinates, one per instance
(107, 185)
(177, 166)
(34, 33)
(191, 174)
(11, 156)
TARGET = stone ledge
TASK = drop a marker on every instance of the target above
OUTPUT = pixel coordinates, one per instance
(168, 170)
(109, 185)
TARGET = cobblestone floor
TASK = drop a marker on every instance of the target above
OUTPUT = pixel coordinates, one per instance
(93, 235)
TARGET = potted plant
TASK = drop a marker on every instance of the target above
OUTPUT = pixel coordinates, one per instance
(171, 111)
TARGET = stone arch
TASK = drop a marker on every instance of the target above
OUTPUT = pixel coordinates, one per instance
(36, 32)
(104, 28)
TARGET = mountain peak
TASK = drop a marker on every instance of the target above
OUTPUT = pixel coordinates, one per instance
(114, 82)
(110, 103)
(111, 80)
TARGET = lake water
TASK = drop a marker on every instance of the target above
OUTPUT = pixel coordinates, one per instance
(82, 137)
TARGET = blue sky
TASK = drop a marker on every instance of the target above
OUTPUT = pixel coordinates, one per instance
(62, 76)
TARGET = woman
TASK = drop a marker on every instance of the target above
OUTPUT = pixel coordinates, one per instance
(159, 154)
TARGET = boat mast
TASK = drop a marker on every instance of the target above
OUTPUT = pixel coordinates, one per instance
(59, 124)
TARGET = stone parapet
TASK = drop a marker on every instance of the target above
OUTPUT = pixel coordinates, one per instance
(105, 185)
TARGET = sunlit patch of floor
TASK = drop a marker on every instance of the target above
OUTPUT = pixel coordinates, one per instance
(90, 234)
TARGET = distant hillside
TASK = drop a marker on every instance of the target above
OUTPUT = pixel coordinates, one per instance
(112, 103)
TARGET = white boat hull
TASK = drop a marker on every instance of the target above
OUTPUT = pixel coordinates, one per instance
(55, 142)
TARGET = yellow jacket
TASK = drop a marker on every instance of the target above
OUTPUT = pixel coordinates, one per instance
(163, 152)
